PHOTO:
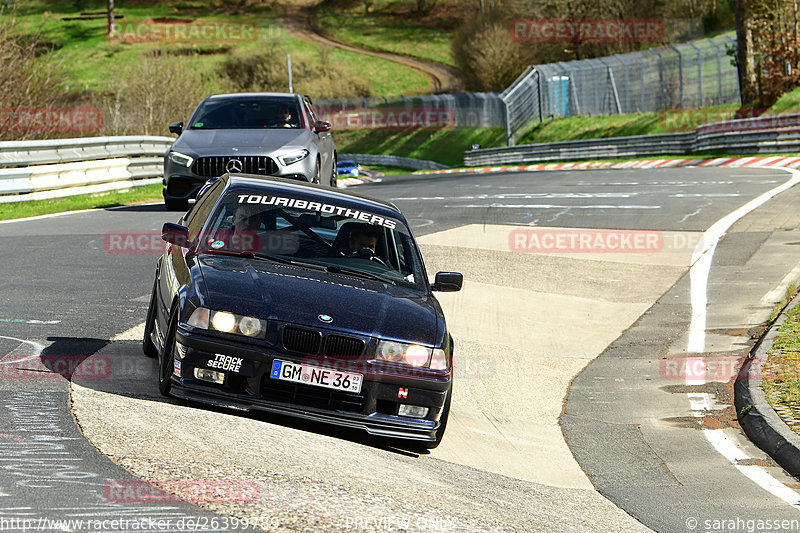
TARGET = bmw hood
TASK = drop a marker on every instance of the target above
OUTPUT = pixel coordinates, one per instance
(298, 295)
(246, 142)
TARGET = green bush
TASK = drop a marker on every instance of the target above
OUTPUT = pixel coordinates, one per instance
(267, 71)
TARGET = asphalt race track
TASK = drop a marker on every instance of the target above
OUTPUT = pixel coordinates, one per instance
(573, 408)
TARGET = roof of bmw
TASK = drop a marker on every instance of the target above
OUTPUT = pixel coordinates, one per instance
(252, 183)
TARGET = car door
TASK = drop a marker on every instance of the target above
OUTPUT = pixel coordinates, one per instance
(323, 141)
(174, 272)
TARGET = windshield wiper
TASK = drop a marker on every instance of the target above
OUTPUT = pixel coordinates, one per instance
(236, 253)
(266, 257)
(285, 261)
(337, 269)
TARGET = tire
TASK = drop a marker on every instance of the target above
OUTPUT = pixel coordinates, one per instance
(334, 175)
(176, 204)
(167, 356)
(148, 348)
(442, 426)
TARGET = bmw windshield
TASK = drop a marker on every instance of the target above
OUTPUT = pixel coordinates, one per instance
(341, 239)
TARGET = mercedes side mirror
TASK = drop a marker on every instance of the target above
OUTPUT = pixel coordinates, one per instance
(321, 126)
(176, 128)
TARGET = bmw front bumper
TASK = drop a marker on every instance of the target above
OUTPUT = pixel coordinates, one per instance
(250, 387)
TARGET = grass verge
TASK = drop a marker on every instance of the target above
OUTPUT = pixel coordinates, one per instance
(388, 30)
(781, 372)
(137, 195)
(443, 146)
(90, 61)
(669, 121)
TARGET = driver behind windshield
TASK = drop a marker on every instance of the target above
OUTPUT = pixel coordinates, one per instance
(364, 236)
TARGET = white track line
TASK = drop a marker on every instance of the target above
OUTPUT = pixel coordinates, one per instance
(701, 402)
(36, 346)
(701, 261)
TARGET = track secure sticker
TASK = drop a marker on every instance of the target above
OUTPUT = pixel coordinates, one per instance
(217, 244)
(317, 206)
(225, 362)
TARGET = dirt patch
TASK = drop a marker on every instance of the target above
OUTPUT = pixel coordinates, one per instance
(298, 21)
(715, 419)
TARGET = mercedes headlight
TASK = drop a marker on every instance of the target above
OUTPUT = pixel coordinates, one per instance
(228, 323)
(294, 157)
(181, 159)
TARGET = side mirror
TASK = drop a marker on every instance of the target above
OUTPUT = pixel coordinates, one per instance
(321, 126)
(176, 128)
(448, 282)
(175, 234)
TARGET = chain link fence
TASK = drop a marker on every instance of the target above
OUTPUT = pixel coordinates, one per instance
(689, 75)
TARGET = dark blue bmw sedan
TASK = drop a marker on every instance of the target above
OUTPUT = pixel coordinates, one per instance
(303, 300)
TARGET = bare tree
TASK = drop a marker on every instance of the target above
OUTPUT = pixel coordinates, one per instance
(425, 7)
(112, 29)
(745, 62)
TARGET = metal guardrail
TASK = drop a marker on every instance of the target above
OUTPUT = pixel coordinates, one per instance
(610, 148)
(745, 136)
(35, 170)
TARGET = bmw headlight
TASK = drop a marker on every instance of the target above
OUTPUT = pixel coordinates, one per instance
(181, 159)
(294, 157)
(400, 352)
(228, 323)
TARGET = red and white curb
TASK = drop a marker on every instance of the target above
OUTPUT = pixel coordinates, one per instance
(346, 182)
(366, 176)
(767, 161)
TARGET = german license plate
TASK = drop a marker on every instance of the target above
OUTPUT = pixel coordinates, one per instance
(317, 376)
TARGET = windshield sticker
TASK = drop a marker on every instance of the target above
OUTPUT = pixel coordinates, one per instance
(198, 125)
(317, 206)
(217, 244)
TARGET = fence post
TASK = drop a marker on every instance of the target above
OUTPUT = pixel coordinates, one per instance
(699, 73)
(661, 78)
(510, 141)
(680, 72)
(719, 70)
